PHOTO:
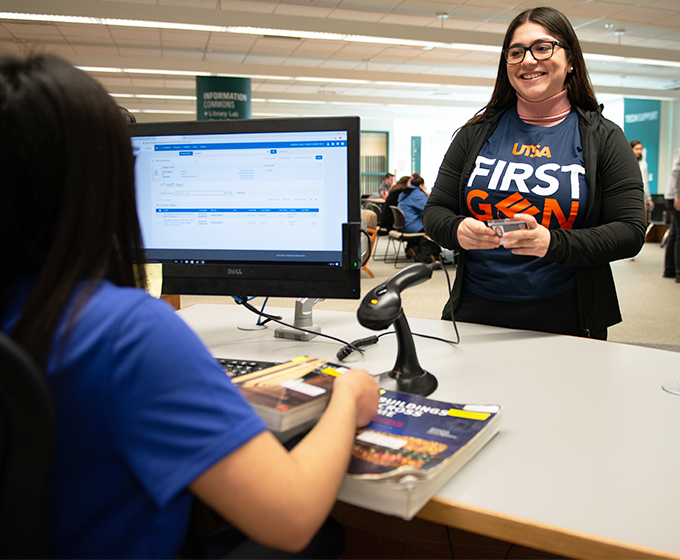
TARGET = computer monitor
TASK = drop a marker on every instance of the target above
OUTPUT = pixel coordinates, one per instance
(251, 207)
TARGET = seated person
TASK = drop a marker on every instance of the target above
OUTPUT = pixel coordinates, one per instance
(386, 217)
(412, 203)
(146, 418)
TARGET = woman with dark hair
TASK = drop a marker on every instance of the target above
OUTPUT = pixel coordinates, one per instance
(386, 217)
(542, 153)
(145, 415)
(412, 202)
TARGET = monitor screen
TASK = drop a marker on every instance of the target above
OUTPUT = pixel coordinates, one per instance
(251, 207)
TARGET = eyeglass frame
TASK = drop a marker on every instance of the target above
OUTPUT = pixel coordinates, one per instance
(528, 49)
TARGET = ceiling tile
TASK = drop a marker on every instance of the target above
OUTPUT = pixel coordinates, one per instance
(183, 54)
(177, 83)
(362, 51)
(304, 62)
(272, 87)
(339, 64)
(136, 1)
(319, 48)
(304, 89)
(643, 15)
(355, 15)
(231, 41)
(308, 10)
(204, 4)
(61, 49)
(493, 27)
(113, 81)
(376, 5)
(144, 82)
(134, 34)
(421, 21)
(84, 31)
(379, 66)
(132, 52)
(225, 57)
(188, 39)
(260, 59)
(665, 4)
(248, 6)
(92, 50)
(31, 29)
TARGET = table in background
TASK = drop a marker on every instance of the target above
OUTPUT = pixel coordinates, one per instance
(586, 463)
(379, 201)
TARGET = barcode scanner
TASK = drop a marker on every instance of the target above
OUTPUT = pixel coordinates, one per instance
(380, 308)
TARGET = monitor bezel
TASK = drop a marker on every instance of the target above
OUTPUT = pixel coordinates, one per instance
(241, 279)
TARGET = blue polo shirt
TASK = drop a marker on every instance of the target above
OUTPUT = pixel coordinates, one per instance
(143, 410)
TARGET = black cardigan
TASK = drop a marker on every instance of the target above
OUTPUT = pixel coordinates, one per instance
(614, 226)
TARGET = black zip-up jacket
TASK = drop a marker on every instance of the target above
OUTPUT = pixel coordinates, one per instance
(614, 226)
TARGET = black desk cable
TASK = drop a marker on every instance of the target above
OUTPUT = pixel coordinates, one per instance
(356, 345)
(276, 319)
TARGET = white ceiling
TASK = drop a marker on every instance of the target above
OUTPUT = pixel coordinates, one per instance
(309, 76)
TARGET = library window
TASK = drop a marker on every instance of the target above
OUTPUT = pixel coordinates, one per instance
(374, 164)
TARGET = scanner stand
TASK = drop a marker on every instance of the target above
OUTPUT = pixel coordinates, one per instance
(407, 376)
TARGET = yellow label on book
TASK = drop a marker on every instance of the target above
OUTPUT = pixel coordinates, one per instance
(468, 414)
(332, 371)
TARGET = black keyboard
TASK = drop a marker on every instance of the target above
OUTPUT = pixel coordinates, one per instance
(235, 368)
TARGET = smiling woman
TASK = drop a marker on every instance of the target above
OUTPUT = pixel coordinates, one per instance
(540, 152)
(542, 68)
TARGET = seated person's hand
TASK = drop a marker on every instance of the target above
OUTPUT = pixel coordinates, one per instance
(473, 234)
(533, 241)
(365, 390)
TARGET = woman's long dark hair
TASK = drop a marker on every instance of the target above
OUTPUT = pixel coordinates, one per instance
(68, 210)
(577, 82)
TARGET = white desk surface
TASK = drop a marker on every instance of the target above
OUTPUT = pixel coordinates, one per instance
(587, 462)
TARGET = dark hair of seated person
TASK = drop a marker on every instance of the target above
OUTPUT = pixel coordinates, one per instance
(68, 213)
(401, 184)
(417, 180)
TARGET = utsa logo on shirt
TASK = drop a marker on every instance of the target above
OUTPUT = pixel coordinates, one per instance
(531, 151)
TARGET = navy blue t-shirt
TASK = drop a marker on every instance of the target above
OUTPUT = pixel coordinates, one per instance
(530, 169)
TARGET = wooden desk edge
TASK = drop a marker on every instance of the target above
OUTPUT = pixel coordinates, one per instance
(548, 538)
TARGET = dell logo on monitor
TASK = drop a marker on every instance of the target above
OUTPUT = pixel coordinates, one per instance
(234, 271)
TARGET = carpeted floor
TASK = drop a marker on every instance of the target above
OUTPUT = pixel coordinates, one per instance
(650, 304)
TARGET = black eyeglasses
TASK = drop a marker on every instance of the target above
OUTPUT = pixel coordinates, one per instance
(540, 51)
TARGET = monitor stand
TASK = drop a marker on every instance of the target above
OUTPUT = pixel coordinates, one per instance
(303, 320)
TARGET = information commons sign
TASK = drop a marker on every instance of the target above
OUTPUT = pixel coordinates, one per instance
(219, 98)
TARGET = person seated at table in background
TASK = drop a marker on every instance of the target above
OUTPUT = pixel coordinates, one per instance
(637, 147)
(412, 202)
(146, 417)
(386, 185)
(540, 151)
(386, 216)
